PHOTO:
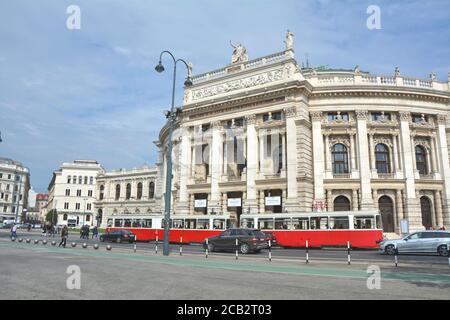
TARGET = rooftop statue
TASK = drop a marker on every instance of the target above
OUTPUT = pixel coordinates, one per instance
(289, 41)
(239, 53)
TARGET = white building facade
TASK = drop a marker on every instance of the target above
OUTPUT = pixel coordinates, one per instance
(126, 197)
(72, 193)
(269, 136)
(14, 188)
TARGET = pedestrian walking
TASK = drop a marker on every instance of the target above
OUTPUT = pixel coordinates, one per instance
(64, 235)
(14, 231)
(95, 233)
(81, 232)
(87, 232)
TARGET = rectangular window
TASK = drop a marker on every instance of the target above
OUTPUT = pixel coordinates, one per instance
(89, 206)
(336, 116)
(339, 223)
(67, 192)
(9, 177)
(380, 116)
(13, 209)
(77, 206)
(78, 193)
(5, 208)
(6, 197)
(265, 224)
(418, 118)
(66, 205)
(282, 223)
(89, 193)
(300, 223)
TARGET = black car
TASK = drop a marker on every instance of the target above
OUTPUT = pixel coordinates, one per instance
(118, 236)
(247, 240)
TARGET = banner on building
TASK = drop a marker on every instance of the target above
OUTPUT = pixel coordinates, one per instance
(200, 203)
(234, 202)
(273, 201)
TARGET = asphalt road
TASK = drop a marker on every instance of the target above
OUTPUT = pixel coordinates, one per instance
(37, 271)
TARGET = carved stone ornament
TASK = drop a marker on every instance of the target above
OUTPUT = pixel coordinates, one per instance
(339, 139)
(442, 119)
(239, 53)
(252, 81)
(386, 140)
(405, 116)
(316, 116)
(250, 119)
(290, 112)
(362, 114)
(289, 41)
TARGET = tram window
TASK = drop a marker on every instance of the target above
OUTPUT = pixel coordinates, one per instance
(248, 223)
(282, 223)
(300, 223)
(219, 224)
(109, 223)
(339, 223)
(379, 223)
(127, 223)
(364, 222)
(147, 223)
(136, 223)
(191, 224)
(118, 223)
(319, 223)
(231, 223)
(177, 223)
(203, 224)
(265, 224)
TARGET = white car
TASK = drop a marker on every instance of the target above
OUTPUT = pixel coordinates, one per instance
(432, 241)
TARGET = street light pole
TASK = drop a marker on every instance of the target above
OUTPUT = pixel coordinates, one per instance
(171, 116)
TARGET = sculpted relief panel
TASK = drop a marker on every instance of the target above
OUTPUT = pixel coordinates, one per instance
(238, 84)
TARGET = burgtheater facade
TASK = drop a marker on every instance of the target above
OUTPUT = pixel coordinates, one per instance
(267, 135)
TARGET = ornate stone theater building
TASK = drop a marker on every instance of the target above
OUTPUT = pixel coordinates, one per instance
(267, 135)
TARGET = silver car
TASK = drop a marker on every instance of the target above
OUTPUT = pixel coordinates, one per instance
(432, 241)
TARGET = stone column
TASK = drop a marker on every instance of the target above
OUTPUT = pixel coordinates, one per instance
(283, 200)
(373, 166)
(407, 151)
(183, 203)
(318, 156)
(215, 165)
(224, 202)
(327, 153)
(364, 171)
(355, 205)
(445, 168)
(395, 153)
(330, 200)
(399, 208)
(262, 208)
(413, 156)
(262, 155)
(353, 154)
(252, 163)
(291, 201)
(191, 203)
(375, 198)
(438, 208)
(284, 148)
(434, 155)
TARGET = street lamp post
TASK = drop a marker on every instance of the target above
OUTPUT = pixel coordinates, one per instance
(171, 116)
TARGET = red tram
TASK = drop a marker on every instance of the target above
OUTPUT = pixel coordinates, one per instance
(363, 228)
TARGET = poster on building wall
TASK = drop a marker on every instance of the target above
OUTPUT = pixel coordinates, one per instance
(273, 201)
(234, 202)
(200, 203)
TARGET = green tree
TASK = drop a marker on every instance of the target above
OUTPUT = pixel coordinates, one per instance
(52, 217)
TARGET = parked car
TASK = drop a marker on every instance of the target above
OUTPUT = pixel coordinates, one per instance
(118, 236)
(431, 241)
(270, 236)
(249, 240)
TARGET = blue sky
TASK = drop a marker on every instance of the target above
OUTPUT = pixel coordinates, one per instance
(93, 93)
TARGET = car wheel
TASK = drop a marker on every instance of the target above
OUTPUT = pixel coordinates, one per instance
(211, 247)
(442, 250)
(244, 248)
(258, 251)
(390, 249)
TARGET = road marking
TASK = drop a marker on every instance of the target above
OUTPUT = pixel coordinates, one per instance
(239, 266)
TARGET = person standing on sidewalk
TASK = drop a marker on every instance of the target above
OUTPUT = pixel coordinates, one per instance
(64, 235)
(95, 233)
(14, 231)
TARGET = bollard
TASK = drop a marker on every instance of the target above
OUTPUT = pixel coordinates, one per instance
(96, 246)
(206, 250)
(237, 243)
(84, 245)
(53, 243)
(13, 239)
(108, 247)
(181, 246)
(36, 241)
(395, 255)
(307, 252)
(270, 250)
(156, 245)
(74, 244)
(44, 242)
(20, 239)
(348, 253)
(28, 241)
(134, 247)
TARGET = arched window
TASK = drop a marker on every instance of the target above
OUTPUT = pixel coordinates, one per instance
(117, 192)
(91, 180)
(139, 190)
(340, 159)
(68, 179)
(102, 192)
(421, 160)
(382, 158)
(88, 218)
(85, 180)
(151, 190)
(65, 217)
(80, 180)
(341, 203)
(128, 193)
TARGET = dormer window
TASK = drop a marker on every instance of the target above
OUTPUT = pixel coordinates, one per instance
(337, 116)
(419, 118)
(381, 116)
